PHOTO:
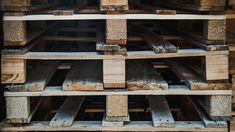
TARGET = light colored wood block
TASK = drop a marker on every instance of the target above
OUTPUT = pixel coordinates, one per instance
(112, 5)
(114, 73)
(13, 71)
(216, 67)
(117, 106)
(15, 2)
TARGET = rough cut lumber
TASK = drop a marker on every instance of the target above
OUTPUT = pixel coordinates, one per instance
(216, 67)
(116, 31)
(214, 29)
(114, 72)
(15, 2)
(37, 78)
(161, 114)
(14, 33)
(142, 76)
(67, 112)
(84, 75)
(191, 80)
(114, 5)
(195, 126)
(156, 42)
(13, 71)
(173, 90)
(116, 106)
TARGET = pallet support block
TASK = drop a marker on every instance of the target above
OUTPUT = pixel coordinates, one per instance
(14, 33)
(114, 73)
(17, 109)
(15, 2)
(218, 107)
(114, 5)
(13, 71)
(117, 108)
(216, 67)
(116, 31)
(214, 29)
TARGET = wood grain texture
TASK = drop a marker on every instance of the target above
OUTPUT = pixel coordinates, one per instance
(84, 75)
(114, 5)
(142, 76)
(214, 29)
(117, 106)
(67, 112)
(13, 71)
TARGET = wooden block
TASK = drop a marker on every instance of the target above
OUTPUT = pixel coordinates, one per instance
(37, 77)
(13, 71)
(114, 5)
(218, 107)
(210, 2)
(116, 31)
(84, 75)
(216, 67)
(161, 113)
(17, 108)
(67, 112)
(214, 29)
(142, 76)
(117, 105)
(15, 2)
(106, 123)
(114, 73)
(14, 33)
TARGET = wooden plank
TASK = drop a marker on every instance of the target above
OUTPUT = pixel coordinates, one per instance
(116, 106)
(196, 126)
(105, 16)
(13, 71)
(206, 121)
(161, 114)
(114, 72)
(142, 76)
(157, 43)
(67, 112)
(37, 78)
(191, 80)
(15, 2)
(216, 67)
(172, 90)
(84, 75)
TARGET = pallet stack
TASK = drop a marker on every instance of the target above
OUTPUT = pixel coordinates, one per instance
(61, 57)
(231, 43)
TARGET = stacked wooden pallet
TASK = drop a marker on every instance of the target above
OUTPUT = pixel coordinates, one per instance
(107, 50)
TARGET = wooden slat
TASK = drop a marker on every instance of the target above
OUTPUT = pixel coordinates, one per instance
(173, 90)
(67, 112)
(156, 42)
(191, 80)
(161, 114)
(142, 76)
(84, 75)
(37, 78)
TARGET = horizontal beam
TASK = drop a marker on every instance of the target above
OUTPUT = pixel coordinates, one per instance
(173, 90)
(105, 16)
(99, 56)
(96, 126)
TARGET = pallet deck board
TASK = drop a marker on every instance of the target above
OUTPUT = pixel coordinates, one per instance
(97, 126)
(173, 90)
(84, 75)
(67, 112)
(104, 16)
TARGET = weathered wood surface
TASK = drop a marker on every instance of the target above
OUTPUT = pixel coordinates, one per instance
(156, 42)
(161, 114)
(67, 112)
(114, 5)
(37, 77)
(84, 75)
(97, 126)
(142, 76)
(192, 80)
(13, 71)
(114, 73)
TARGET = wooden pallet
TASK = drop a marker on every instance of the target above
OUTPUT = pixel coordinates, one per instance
(161, 116)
